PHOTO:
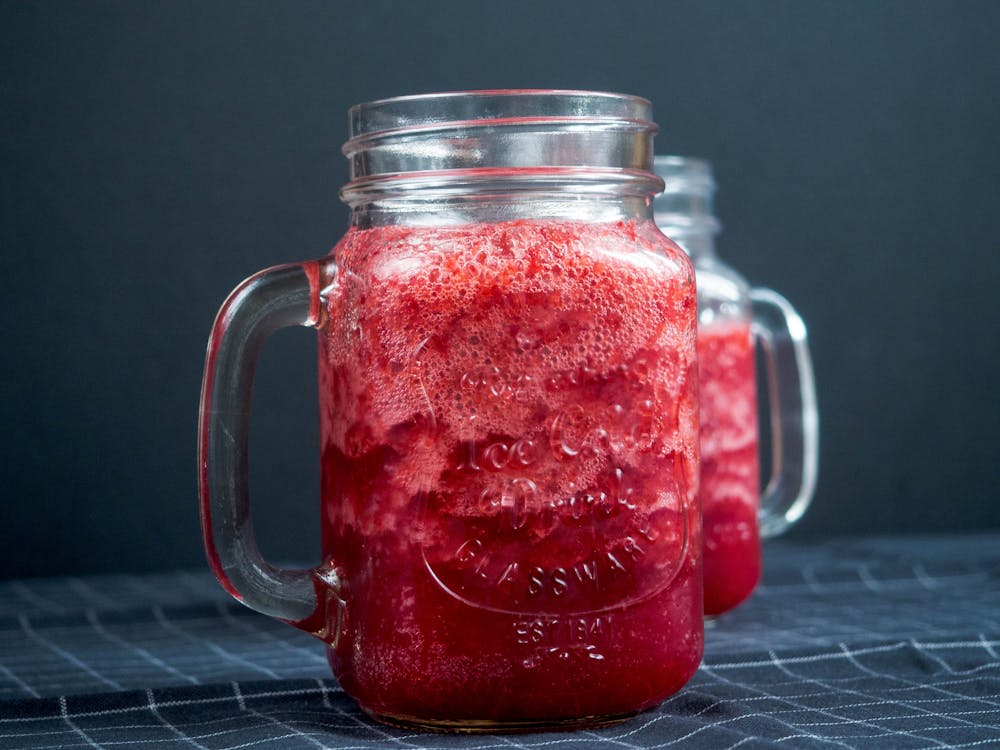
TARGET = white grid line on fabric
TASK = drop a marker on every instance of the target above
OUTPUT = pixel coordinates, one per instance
(863, 678)
(211, 645)
(840, 706)
(253, 743)
(808, 709)
(960, 620)
(71, 658)
(119, 593)
(870, 704)
(994, 624)
(204, 586)
(129, 742)
(796, 681)
(64, 714)
(50, 678)
(887, 734)
(928, 582)
(870, 583)
(877, 619)
(93, 619)
(882, 735)
(190, 583)
(193, 633)
(507, 741)
(925, 650)
(141, 588)
(288, 693)
(108, 727)
(988, 646)
(716, 724)
(793, 636)
(541, 743)
(705, 727)
(194, 739)
(977, 743)
(926, 686)
(870, 650)
(809, 576)
(793, 727)
(844, 587)
(947, 668)
(23, 591)
(92, 595)
(282, 725)
(160, 724)
(847, 720)
(642, 727)
(270, 638)
(324, 691)
(151, 704)
(9, 674)
(594, 738)
(901, 717)
(900, 615)
(742, 717)
(373, 727)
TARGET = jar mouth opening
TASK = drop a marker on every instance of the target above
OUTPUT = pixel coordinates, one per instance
(475, 138)
(685, 174)
(684, 208)
(449, 108)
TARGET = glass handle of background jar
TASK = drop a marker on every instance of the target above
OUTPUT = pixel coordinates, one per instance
(275, 298)
(794, 417)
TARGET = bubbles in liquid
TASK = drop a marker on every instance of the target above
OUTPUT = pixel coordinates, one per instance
(525, 339)
(519, 318)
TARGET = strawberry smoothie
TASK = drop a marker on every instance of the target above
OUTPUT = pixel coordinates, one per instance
(510, 470)
(730, 489)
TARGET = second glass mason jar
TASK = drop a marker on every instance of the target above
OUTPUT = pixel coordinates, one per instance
(732, 316)
(507, 373)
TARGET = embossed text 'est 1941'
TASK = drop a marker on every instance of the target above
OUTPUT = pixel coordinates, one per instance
(563, 637)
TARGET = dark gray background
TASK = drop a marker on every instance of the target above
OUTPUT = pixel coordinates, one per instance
(153, 154)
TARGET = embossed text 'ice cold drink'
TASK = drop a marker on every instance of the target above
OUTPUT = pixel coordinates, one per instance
(509, 425)
(732, 316)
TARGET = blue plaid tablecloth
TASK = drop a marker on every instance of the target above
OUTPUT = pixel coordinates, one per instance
(885, 643)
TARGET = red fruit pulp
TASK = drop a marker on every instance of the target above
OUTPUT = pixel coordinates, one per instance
(730, 486)
(509, 427)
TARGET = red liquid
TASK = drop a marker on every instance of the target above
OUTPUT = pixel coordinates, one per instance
(510, 471)
(729, 464)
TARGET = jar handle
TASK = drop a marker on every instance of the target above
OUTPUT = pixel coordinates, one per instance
(794, 417)
(275, 298)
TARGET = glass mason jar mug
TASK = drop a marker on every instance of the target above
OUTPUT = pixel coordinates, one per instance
(507, 374)
(732, 316)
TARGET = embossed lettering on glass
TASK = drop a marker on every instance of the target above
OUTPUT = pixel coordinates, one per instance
(507, 375)
(732, 316)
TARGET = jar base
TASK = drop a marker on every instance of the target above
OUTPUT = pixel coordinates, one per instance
(493, 726)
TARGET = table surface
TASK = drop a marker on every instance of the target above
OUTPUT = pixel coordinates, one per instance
(854, 643)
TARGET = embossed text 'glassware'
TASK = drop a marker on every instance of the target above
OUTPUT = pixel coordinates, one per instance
(507, 376)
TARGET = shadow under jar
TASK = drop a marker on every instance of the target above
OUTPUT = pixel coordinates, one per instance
(507, 373)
